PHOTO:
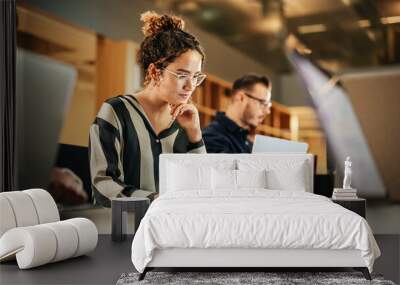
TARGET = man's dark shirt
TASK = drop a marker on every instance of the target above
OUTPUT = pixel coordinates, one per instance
(224, 135)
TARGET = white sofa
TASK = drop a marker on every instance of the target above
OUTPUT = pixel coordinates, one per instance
(31, 231)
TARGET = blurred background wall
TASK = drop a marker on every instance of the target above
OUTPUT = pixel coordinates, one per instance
(350, 39)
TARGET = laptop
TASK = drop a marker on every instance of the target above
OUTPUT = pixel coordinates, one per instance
(263, 144)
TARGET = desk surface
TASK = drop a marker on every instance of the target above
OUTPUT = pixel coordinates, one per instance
(102, 266)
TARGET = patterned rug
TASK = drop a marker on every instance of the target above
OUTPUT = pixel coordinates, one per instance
(242, 278)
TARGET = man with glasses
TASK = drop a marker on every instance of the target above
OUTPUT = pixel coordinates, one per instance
(250, 103)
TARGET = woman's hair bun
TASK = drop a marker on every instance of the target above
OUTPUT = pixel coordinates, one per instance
(155, 23)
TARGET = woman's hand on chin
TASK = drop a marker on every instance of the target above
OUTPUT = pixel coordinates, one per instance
(187, 116)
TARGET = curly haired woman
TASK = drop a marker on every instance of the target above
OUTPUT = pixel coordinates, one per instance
(131, 131)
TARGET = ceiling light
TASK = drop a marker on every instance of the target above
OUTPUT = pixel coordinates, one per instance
(308, 29)
(304, 50)
(347, 2)
(209, 14)
(188, 7)
(390, 20)
(364, 23)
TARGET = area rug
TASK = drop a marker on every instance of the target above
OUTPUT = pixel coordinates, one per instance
(242, 278)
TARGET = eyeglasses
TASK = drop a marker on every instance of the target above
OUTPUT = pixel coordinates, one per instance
(262, 102)
(183, 78)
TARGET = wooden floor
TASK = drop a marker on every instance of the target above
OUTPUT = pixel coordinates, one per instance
(106, 264)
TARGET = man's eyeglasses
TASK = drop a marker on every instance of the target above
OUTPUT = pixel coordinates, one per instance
(183, 78)
(262, 102)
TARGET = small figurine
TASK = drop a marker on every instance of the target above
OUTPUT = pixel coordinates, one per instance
(347, 174)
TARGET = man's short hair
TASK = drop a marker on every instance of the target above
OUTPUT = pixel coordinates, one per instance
(248, 81)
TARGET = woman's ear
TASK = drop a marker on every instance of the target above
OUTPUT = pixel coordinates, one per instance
(154, 74)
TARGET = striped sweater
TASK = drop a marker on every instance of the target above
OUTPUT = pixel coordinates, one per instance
(124, 150)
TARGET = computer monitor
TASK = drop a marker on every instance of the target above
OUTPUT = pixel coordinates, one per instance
(43, 90)
(341, 126)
